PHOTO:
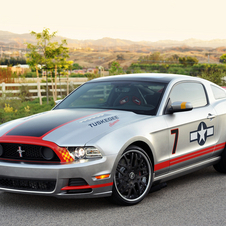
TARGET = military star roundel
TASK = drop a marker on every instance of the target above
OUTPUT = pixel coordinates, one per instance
(202, 133)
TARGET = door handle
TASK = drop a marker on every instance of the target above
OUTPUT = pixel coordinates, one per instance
(211, 116)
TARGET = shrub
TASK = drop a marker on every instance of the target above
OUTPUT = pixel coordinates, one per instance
(77, 75)
(30, 75)
(13, 109)
(214, 76)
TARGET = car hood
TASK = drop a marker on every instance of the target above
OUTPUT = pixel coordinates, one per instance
(68, 127)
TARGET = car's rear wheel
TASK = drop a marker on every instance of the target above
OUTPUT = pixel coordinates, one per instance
(133, 177)
(221, 165)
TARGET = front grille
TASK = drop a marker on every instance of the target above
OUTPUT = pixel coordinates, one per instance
(29, 152)
(27, 184)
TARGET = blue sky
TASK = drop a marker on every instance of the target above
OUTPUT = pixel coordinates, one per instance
(148, 20)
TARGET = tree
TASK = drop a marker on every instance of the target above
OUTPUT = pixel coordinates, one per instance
(192, 60)
(156, 57)
(223, 58)
(76, 66)
(33, 60)
(215, 76)
(115, 69)
(59, 54)
(152, 58)
(173, 59)
(188, 61)
(182, 60)
(50, 55)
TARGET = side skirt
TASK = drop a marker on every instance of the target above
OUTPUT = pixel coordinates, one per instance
(186, 170)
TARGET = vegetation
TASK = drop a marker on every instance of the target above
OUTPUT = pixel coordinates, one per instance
(76, 66)
(13, 109)
(6, 75)
(157, 57)
(50, 55)
(188, 61)
(214, 76)
(12, 61)
(115, 69)
(223, 58)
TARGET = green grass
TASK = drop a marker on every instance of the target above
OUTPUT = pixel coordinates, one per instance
(18, 109)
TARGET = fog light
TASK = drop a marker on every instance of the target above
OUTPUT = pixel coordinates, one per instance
(47, 153)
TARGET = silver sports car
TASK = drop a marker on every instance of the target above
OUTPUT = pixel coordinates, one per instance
(116, 137)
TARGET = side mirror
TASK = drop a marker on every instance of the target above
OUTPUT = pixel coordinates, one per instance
(57, 102)
(179, 106)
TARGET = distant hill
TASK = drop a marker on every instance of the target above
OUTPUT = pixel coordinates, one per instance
(13, 38)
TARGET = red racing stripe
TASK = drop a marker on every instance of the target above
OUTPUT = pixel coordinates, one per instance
(73, 121)
(162, 165)
(189, 156)
(86, 186)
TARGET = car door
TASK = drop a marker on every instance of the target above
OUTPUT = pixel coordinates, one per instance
(192, 134)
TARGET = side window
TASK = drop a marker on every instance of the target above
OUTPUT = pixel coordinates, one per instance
(189, 92)
(218, 93)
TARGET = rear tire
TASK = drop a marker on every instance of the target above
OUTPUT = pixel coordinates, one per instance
(133, 177)
(221, 165)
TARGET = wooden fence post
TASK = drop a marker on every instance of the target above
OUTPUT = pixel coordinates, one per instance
(3, 90)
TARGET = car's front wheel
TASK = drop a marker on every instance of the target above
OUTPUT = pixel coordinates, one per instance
(133, 177)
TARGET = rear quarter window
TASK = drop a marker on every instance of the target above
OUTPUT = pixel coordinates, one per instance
(218, 93)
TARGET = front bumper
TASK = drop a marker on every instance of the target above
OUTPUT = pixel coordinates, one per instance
(21, 173)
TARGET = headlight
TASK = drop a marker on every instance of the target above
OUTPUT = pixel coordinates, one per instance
(84, 152)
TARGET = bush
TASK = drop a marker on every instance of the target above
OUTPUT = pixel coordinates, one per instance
(214, 76)
(13, 109)
(6, 75)
(92, 76)
(176, 70)
(30, 75)
(72, 75)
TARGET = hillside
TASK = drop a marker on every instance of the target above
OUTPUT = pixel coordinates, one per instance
(92, 53)
(9, 37)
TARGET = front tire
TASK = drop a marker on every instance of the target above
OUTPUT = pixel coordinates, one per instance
(133, 177)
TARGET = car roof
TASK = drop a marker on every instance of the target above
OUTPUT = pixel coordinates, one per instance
(153, 77)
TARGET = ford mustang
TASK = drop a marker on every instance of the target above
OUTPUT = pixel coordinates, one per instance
(116, 137)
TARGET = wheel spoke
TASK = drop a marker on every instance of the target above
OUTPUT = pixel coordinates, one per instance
(144, 174)
(135, 192)
(136, 162)
(139, 189)
(132, 158)
(127, 161)
(125, 188)
(129, 193)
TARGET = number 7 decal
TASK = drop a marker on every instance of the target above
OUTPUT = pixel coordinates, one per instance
(176, 132)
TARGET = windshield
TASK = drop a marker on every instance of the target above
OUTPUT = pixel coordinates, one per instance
(138, 97)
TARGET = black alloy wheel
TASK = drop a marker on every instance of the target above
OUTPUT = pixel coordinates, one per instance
(133, 177)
